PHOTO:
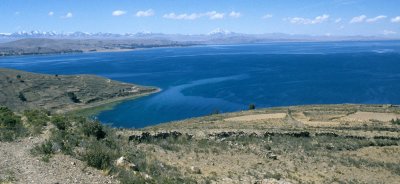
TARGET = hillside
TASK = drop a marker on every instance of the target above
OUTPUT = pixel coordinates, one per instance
(301, 144)
(23, 90)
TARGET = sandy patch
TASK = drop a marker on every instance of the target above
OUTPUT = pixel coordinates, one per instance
(367, 116)
(306, 120)
(257, 117)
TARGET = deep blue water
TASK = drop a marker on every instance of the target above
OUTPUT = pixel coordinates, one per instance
(196, 81)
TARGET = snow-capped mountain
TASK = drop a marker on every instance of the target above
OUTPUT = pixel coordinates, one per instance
(78, 34)
(216, 36)
(220, 32)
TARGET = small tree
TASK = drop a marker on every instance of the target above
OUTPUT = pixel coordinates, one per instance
(215, 111)
(22, 97)
(252, 106)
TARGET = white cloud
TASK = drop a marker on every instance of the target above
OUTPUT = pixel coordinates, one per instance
(266, 16)
(389, 32)
(375, 19)
(67, 16)
(146, 13)
(396, 19)
(215, 15)
(235, 14)
(358, 19)
(17, 13)
(118, 13)
(182, 16)
(211, 15)
(338, 20)
(50, 13)
(316, 20)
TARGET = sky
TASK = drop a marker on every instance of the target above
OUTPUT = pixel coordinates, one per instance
(309, 17)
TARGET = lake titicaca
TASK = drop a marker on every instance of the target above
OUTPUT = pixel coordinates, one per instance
(201, 80)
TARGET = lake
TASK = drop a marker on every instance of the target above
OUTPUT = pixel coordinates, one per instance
(200, 80)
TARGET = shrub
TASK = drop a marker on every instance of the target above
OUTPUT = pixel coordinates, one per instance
(395, 122)
(252, 106)
(61, 122)
(10, 125)
(45, 150)
(37, 119)
(93, 128)
(66, 141)
(73, 97)
(22, 97)
(99, 156)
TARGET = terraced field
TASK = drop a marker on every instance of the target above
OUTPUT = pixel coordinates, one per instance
(303, 144)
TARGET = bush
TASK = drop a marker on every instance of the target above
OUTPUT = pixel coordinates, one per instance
(395, 122)
(22, 97)
(73, 97)
(61, 122)
(10, 125)
(252, 106)
(66, 141)
(45, 150)
(37, 119)
(99, 156)
(92, 128)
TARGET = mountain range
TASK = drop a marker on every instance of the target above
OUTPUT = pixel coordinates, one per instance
(218, 35)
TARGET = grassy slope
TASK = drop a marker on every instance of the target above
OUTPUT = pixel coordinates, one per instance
(23, 90)
(308, 144)
(320, 143)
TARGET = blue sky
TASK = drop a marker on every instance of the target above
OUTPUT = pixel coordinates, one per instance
(315, 17)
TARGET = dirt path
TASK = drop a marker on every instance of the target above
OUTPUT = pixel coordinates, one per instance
(17, 164)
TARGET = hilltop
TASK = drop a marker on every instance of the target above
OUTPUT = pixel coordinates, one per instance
(24, 90)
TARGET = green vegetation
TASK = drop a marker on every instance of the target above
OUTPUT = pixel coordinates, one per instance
(61, 122)
(22, 97)
(395, 122)
(38, 90)
(211, 149)
(10, 125)
(36, 120)
(252, 106)
(99, 146)
(73, 97)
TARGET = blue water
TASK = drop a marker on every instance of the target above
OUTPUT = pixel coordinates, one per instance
(196, 81)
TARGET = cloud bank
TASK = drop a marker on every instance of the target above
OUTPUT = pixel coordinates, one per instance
(377, 18)
(358, 19)
(235, 14)
(211, 15)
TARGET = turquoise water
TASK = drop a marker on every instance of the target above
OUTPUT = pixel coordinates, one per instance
(197, 81)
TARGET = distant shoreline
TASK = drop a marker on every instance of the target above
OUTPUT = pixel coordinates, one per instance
(89, 51)
(18, 52)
